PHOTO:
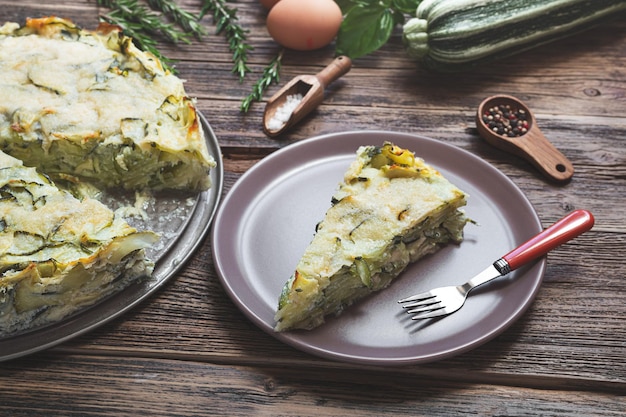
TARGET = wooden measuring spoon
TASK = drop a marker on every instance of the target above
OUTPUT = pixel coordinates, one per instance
(311, 87)
(531, 145)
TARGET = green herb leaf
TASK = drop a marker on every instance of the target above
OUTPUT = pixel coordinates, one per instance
(345, 5)
(368, 24)
(186, 20)
(227, 22)
(138, 22)
(271, 74)
(365, 28)
(406, 6)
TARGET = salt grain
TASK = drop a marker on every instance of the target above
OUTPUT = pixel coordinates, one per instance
(284, 112)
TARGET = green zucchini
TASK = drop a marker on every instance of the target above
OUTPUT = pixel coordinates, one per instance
(451, 35)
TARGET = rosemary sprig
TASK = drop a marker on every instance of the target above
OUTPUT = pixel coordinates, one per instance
(271, 74)
(226, 21)
(140, 23)
(186, 20)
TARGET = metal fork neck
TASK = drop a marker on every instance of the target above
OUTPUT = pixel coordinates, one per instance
(490, 273)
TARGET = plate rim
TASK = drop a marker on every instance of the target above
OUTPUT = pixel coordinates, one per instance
(193, 231)
(291, 338)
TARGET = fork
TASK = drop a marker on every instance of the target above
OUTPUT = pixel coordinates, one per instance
(446, 300)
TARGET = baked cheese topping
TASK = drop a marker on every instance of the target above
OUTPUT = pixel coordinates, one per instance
(91, 104)
(57, 253)
(390, 210)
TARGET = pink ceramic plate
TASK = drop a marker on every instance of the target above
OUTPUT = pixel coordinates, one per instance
(269, 217)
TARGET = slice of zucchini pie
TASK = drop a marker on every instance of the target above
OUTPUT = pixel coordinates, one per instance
(390, 210)
(91, 105)
(57, 253)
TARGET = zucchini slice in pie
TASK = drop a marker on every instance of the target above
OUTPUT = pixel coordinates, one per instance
(59, 254)
(390, 210)
(90, 104)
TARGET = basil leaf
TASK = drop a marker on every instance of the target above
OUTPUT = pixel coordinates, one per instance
(406, 6)
(345, 5)
(365, 28)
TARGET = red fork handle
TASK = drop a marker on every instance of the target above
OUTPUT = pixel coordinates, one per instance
(570, 226)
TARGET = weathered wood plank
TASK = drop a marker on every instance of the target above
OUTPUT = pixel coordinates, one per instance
(189, 351)
(134, 386)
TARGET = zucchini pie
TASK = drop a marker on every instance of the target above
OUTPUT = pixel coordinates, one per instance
(390, 210)
(90, 105)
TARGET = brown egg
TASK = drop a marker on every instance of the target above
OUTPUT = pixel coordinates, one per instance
(304, 25)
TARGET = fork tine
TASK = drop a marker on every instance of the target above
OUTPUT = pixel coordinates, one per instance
(416, 297)
(425, 308)
(426, 302)
(436, 313)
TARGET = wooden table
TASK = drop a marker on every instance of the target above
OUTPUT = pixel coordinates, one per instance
(188, 350)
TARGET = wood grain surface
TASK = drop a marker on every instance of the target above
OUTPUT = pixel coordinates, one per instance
(188, 350)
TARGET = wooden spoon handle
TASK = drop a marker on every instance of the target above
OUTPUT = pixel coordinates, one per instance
(538, 150)
(340, 66)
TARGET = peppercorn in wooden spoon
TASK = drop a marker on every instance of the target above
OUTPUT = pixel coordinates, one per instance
(506, 123)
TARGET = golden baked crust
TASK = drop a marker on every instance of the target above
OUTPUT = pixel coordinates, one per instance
(89, 104)
(391, 209)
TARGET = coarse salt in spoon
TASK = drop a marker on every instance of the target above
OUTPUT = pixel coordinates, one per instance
(300, 96)
(506, 123)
